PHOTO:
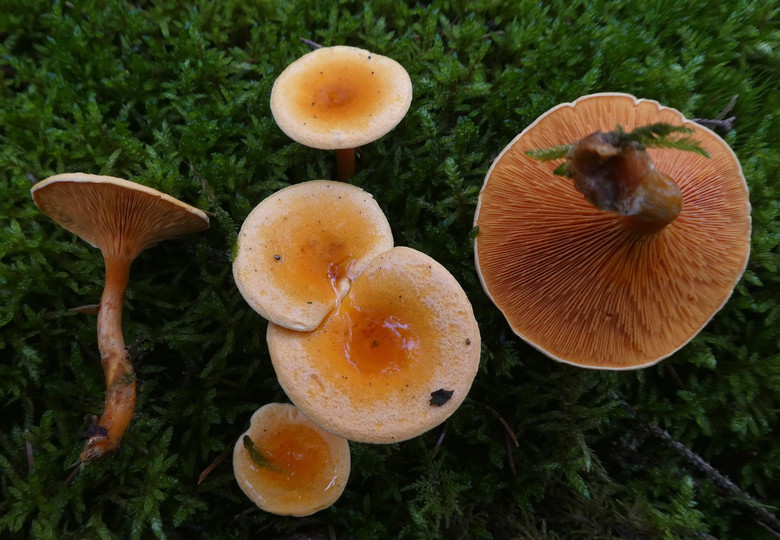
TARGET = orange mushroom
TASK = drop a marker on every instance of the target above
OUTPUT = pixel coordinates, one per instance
(121, 218)
(395, 358)
(299, 249)
(289, 466)
(622, 288)
(339, 98)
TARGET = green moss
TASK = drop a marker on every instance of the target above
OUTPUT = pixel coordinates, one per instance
(177, 98)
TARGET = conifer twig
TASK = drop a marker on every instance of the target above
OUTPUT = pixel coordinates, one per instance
(439, 441)
(765, 517)
(720, 121)
(217, 460)
(30, 455)
(313, 45)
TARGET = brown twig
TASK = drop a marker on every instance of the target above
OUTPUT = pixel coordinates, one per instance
(313, 45)
(509, 435)
(765, 517)
(30, 456)
(217, 460)
(73, 473)
(89, 309)
(207, 191)
(720, 121)
(440, 440)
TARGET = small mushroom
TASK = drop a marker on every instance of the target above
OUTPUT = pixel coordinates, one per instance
(404, 331)
(121, 218)
(611, 283)
(299, 249)
(339, 98)
(289, 466)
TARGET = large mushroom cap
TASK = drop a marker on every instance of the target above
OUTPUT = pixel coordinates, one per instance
(575, 283)
(340, 97)
(117, 216)
(404, 335)
(307, 468)
(300, 247)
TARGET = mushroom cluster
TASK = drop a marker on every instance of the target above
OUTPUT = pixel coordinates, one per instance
(121, 218)
(623, 266)
(373, 343)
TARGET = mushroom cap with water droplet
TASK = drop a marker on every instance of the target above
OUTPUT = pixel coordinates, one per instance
(403, 334)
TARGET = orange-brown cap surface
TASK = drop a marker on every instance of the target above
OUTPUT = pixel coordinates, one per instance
(404, 336)
(340, 97)
(117, 216)
(300, 247)
(579, 286)
(302, 469)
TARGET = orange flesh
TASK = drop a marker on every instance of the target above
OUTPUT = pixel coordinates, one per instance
(302, 457)
(308, 260)
(343, 92)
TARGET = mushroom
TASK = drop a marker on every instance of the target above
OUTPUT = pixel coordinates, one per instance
(395, 358)
(121, 218)
(611, 289)
(287, 465)
(299, 249)
(339, 98)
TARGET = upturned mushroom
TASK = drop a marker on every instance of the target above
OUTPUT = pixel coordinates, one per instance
(121, 218)
(395, 358)
(299, 249)
(287, 465)
(339, 98)
(621, 261)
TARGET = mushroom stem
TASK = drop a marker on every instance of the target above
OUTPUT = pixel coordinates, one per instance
(106, 435)
(621, 178)
(345, 163)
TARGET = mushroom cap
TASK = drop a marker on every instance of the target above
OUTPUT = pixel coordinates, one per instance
(299, 249)
(119, 217)
(405, 331)
(310, 467)
(576, 284)
(340, 97)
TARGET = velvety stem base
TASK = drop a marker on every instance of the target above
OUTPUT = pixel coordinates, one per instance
(106, 435)
(345, 163)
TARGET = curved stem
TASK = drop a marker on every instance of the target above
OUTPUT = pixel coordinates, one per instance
(345, 163)
(106, 435)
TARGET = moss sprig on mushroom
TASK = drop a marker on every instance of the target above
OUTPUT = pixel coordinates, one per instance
(258, 455)
(616, 174)
(657, 135)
